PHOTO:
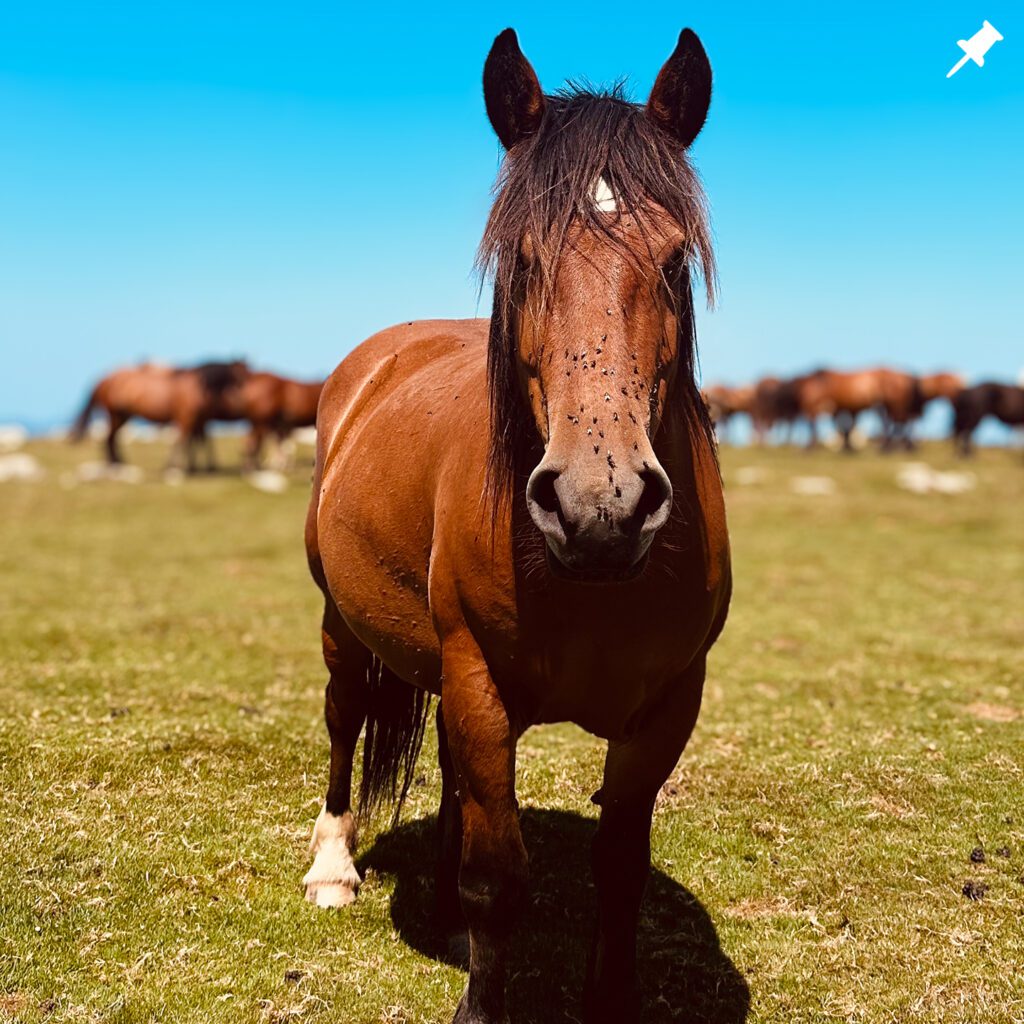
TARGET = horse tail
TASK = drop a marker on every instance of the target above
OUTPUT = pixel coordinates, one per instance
(395, 722)
(78, 428)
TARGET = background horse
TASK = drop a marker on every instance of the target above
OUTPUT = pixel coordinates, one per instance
(726, 402)
(184, 398)
(903, 399)
(272, 405)
(846, 395)
(776, 402)
(972, 405)
(476, 481)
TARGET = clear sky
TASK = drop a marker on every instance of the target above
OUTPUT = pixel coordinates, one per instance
(183, 180)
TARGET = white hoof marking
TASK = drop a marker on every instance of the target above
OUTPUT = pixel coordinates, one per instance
(332, 880)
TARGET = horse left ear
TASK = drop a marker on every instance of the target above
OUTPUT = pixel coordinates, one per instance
(515, 102)
(679, 101)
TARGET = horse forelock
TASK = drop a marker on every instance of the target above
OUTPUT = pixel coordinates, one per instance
(596, 157)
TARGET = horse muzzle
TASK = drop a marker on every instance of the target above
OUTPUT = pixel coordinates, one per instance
(598, 530)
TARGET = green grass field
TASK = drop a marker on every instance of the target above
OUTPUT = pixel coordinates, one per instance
(162, 758)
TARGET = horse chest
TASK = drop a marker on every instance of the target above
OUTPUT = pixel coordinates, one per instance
(606, 671)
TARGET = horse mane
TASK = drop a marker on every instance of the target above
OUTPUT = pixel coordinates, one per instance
(545, 188)
(217, 377)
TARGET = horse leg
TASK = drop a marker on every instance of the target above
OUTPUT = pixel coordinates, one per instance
(447, 912)
(117, 421)
(254, 446)
(812, 430)
(844, 423)
(332, 880)
(492, 874)
(208, 450)
(634, 772)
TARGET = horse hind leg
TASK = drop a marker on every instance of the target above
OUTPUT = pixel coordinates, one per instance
(117, 421)
(332, 880)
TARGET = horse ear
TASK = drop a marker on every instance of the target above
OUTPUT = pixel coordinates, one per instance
(515, 103)
(679, 101)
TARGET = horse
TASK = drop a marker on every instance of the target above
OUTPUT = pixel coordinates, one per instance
(183, 397)
(778, 401)
(844, 395)
(726, 402)
(902, 401)
(523, 516)
(272, 405)
(972, 405)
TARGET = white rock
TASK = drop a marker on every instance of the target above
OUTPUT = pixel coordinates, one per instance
(12, 436)
(920, 478)
(20, 466)
(305, 435)
(812, 485)
(88, 472)
(747, 475)
(269, 481)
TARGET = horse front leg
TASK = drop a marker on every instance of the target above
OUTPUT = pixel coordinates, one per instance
(448, 911)
(492, 872)
(634, 772)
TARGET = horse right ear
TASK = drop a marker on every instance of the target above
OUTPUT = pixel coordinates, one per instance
(515, 103)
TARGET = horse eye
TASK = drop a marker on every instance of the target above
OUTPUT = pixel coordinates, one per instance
(676, 255)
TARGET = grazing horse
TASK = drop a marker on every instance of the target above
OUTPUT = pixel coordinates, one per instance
(724, 403)
(777, 401)
(845, 395)
(524, 517)
(903, 399)
(272, 405)
(972, 405)
(185, 398)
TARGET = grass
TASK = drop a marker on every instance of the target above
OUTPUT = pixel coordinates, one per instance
(162, 758)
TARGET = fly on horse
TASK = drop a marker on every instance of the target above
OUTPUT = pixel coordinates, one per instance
(183, 397)
(524, 517)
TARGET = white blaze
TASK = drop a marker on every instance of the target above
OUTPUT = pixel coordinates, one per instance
(604, 198)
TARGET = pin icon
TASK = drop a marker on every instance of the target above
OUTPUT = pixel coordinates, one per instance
(976, 47)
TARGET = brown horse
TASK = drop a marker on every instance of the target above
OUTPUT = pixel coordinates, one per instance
(184, 398)
(845, 395)
(904, 398)
(778, 402)
(477, 481)
(272, 405)
(971, 405)
(726, 402)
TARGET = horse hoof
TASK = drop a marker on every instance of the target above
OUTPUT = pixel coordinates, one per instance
(332, 880)
(331, 894)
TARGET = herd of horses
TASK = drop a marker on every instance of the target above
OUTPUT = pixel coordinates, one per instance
(190, 398)
(775, 405)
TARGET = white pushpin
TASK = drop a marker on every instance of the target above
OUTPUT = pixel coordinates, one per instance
(976, 47)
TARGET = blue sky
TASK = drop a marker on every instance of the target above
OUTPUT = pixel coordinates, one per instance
(188, 180)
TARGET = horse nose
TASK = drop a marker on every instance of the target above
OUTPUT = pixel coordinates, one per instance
(609, 525)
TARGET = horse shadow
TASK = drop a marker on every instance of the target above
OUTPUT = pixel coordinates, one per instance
(684, 974)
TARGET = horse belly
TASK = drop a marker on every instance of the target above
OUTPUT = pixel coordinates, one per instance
(383, 598)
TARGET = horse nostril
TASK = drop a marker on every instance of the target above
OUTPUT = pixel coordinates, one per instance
(542, 491)
(655, 502)
(544, 505)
